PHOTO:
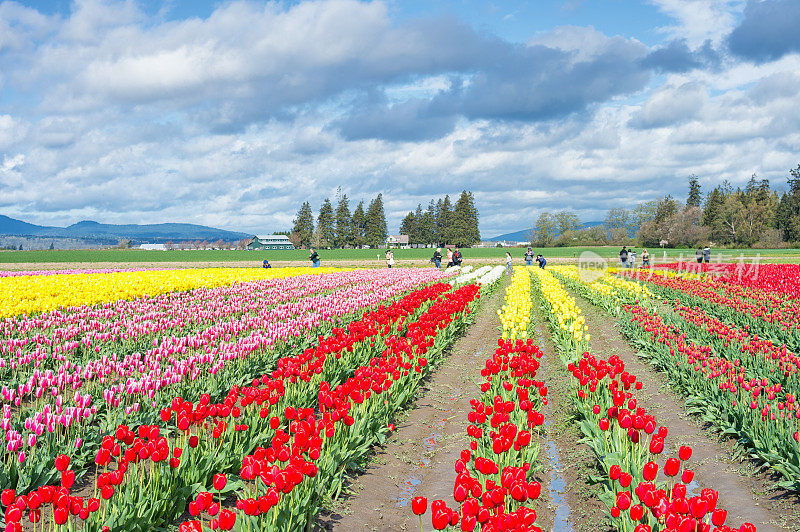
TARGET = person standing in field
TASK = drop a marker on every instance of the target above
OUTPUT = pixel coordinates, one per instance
(314, 258)
(449, 257)
(457, 258)
(632, 258)
(437, 258)
(645, 258)
(623, 257)
(509, 260)
(699, 255)
(389, 258)
(529, 257)
(706, 254)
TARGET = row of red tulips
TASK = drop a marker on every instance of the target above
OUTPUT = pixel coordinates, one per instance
(493, 485)
(643, 488)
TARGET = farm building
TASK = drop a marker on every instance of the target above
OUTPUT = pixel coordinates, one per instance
(270, 242)
(397, 241)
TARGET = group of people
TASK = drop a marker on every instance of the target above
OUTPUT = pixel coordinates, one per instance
(454, 257)
(528, 257)
(703, 254)
(627, 258)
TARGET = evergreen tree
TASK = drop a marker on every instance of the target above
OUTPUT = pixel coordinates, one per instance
(416, 236)
(304, 225)
(343, 231)
(325, 225)
(695, 197)
(426, 225)
(789, 215)
(375, 226)
(463, 223)
(444, 216)
(358, 225)
(714, 201)
(408, 227)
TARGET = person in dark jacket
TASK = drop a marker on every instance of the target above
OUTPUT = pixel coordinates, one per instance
(698, 255)
(529, 257)
(457, 258)
(437, 258)
(314, 258)
(266, 264)
(541, 260)
(623, 257)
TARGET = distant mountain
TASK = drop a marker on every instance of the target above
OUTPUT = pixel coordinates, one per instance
(90, 230)
(522, 236)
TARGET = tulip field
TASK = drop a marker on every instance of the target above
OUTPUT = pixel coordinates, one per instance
(242, 399)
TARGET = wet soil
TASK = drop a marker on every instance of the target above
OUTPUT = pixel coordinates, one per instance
(419, 459)
(747, 494)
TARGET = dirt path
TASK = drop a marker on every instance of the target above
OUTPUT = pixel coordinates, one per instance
(419, 458)
(746, 495)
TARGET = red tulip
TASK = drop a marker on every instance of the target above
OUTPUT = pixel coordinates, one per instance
(672, 467)
(7, 497)
(623, 500)
(220, 480)
(67, 478)
(718, 517)
(419, 505)
(227, 519)
(60, 515)
(650, 471)
(685, 452)
(62, 462)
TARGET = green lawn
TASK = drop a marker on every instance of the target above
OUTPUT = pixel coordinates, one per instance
(143, 256)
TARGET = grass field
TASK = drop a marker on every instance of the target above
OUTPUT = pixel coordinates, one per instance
(357, 255)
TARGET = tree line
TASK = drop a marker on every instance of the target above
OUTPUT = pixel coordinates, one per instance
(753, 216)
(442, 223)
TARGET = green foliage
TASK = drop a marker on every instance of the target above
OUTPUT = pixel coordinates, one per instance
(358, 226)
(343, 231)
(463, 228)
(695, 197)
(304, 224)
(375, 226)
(325, 229)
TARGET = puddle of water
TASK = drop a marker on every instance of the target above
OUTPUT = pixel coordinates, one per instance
(409, 487)
(557, 485)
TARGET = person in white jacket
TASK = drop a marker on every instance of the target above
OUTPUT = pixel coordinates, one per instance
(389, 258)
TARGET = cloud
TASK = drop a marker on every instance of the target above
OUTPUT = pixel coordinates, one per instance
(235, 119)
(676, 56)
(768, 31)
(670, 105)
(576, 68)
(700, 20)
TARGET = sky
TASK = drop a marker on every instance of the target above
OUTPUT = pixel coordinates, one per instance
(231, 114)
